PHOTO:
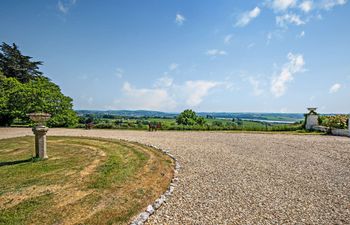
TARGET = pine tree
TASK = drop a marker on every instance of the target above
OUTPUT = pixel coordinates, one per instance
(14, 64)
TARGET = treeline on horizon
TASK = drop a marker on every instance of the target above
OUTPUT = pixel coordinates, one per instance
(190, 120)
(186, 120)
(134, 114)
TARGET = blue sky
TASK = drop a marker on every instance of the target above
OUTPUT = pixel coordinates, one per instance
(223, 55)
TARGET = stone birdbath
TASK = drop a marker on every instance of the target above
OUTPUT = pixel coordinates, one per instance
(40, 131)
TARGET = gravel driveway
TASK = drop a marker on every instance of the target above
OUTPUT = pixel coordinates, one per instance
(246, 178)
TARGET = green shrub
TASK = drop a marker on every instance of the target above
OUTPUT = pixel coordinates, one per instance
(337, 121)
(105, 126)
(79, 125)
(189, 118)
(217, 123)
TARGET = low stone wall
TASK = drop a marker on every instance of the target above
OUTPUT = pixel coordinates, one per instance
(340, 132)
(334, 131)
(320, 128)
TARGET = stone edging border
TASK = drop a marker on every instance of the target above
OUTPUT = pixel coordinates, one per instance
(143, 217)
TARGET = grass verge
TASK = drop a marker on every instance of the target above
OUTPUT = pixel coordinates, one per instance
(85, 181)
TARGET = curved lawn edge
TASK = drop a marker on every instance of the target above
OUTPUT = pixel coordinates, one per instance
(151, 209)
(139, 218)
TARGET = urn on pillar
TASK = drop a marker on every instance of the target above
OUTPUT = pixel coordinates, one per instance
(311, 119)
(40, 131)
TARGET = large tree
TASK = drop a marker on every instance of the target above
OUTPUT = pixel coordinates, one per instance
(38, 95)
(8, 86)
(14, 64)
(23, 90)
(189, 117)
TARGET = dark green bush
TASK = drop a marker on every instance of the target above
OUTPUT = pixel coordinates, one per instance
(105, 126)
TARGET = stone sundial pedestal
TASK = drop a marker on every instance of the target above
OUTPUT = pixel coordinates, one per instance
(40, 134)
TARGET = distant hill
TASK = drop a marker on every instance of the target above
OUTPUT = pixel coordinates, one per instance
(128, 113)
(288, 117)
(292, 117)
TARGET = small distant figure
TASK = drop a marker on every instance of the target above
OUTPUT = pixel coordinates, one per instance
(89, 123)
(88, 126)
(154, 126)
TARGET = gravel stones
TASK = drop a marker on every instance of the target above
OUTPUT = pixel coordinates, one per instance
(247, 178)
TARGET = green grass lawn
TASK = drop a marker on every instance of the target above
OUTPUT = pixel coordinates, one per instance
(85, 181)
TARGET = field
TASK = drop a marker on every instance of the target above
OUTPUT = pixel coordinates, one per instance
(108, 122)
(85, 181)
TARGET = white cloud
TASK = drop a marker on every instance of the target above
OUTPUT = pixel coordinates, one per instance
(245, 18)
(228, 84)
(281, 5)
(301, 35)
(119, 73)
(65, 5)
(228, 38)
(334, 88)
(164, 82)
(179, 19)
(62, 7)
(329, 4)
(256, 84)
(215, 52)
(173, 66)
(286, 19)
(295, 65)
(166, 95)
(151, 99)
(286, 10)
(306, 6)
(197, 90)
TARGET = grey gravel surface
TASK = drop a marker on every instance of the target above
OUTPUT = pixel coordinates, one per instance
(246, 178)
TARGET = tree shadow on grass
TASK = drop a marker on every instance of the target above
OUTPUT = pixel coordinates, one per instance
(17, 162)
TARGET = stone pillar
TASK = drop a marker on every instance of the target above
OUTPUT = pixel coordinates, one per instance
(311, 121)
(40, 141)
